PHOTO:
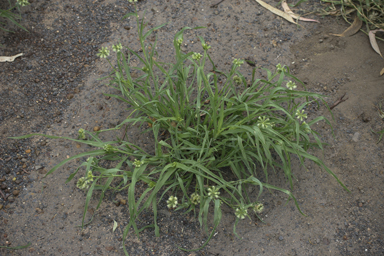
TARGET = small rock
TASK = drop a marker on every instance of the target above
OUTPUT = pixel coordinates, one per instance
(321, 40)
(356, 136)
(1, 206)
(70, 96)
(360, 205)
(16, 192)
(123, 201)
(326, 241)
(183, 48)
(43, 171)
(3, 186)
(28, 151)
(39, 211)
(281, 238)
(7, 170)
(345, 237)
(2, 179)
(365, 118)
(37, 167)
(96, 128)
(110, 248)
(23, 160)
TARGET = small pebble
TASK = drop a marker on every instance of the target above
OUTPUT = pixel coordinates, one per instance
(356, 136)
(96, 128)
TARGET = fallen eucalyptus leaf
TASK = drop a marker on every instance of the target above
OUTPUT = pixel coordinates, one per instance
(293, 15)
(10, 58)
(355, 26)
(276, 11)
(382, 72)
(372, 39)
(114, 225)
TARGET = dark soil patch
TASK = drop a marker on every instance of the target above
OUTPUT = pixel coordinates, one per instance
(53, 89)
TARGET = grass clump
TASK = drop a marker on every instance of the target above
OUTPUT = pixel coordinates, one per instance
(222, 134)
(371, 12)
(11, 16)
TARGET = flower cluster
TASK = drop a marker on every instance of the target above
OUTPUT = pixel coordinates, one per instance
(138, 163)
(264, 123)
(82, 134)
(206, 47)
(179, 41)
(301, 115)
(241, 212)
(22, 3)
(103, 52)
(172, 202)
(195, 199)
(258, 208)
(213, 192)
(108, 148)
(291, 85)
(237, 62)
(279, 68)
(84, 182)
(117, 47)
(196, 56)
(306, 127)
(237, 80)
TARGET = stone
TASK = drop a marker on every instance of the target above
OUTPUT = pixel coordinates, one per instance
(356, 136)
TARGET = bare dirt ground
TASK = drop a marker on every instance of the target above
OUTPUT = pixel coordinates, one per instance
(54, 89)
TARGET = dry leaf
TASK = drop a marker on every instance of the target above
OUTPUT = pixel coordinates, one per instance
(295, 16)
(372, 39)
(153, 120)
(276, 11)
(114, 226)
(382, 72)
(10, 58)
(356, 25)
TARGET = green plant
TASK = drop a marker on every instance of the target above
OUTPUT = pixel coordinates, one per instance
(371, 12)
(8, 14)
(221, 134)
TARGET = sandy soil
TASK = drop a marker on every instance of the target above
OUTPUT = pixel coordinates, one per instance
(54, 89)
